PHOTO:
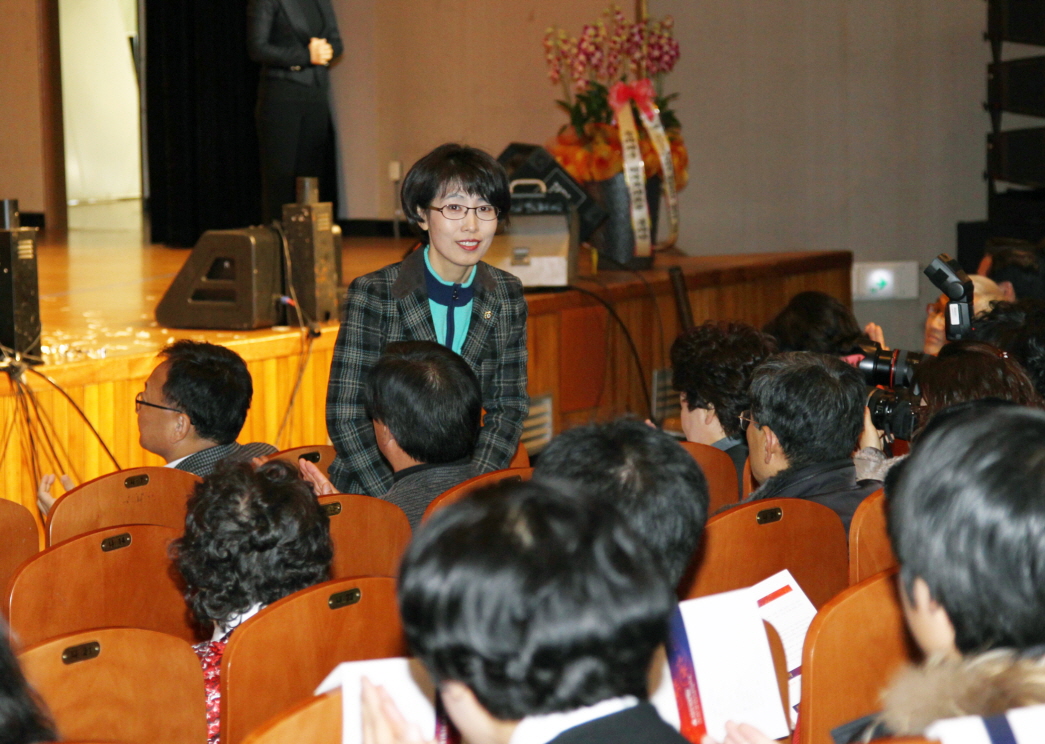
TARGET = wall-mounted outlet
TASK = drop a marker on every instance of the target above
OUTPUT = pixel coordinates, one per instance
(885, 280)
(395, 170)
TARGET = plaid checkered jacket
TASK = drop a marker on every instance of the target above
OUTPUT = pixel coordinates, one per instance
(392, 305)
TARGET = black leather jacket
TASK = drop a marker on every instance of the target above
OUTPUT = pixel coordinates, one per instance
(278, 33)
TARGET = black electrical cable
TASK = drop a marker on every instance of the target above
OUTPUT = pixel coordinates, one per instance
(631, 344)
(79, 410)
(34, 404)
(44, 420)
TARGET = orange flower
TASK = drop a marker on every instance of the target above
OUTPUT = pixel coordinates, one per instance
(649, 157)
(606, 161)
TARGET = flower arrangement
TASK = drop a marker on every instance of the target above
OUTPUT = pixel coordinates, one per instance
(611, 51)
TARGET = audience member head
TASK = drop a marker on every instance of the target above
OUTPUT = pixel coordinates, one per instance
(425, 403)
(252, 536)
(985, 294)
(1019, 272)
(967, 523)
(814, 321)
(197, 397)
(805, 409)
(656, 484)
(524, 600)
(970, 370)
(1017, 328)
(23, 719)
(711, 369)
(453, 169)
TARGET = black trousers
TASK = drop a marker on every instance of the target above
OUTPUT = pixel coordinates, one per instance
(296, 138)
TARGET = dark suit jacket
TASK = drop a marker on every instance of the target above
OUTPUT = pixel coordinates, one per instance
(637, 725)
(277, 38)
(392, 305)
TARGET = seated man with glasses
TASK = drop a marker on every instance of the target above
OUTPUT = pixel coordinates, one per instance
(455, 197)
(191, 411)
(806, 416)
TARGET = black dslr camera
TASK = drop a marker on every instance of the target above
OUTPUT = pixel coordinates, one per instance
(889, 376)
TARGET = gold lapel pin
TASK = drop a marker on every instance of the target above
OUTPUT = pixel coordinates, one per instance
(488, 314)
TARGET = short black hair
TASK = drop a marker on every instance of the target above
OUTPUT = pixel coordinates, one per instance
(1017, 328)
(535, 599)
(815, 321)
(469, 169)
(971, 370)
(23, 716)
(654, 482)
(251, 537)
(967, 515)
(429, 398)
(1022, 267)
(814, 403)
(712, 365)
(211, 385)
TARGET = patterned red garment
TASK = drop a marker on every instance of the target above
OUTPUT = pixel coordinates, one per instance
(210, 653)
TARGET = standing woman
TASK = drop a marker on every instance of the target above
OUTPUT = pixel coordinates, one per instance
(455, 197)
(294, 41)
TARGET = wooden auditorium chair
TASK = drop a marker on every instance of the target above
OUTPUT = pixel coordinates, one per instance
(369, 535)
(870, 551)
(21, 538)
(120, 685)
(521, 458)
(854, 646)
(118, 576)
(747, 483)
(320, 454)
(458, 492)
(752, 542)
(148, 495)
(277, 658)
(719, 471)
(316, 720)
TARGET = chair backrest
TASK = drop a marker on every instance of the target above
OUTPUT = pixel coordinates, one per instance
(747, 482)
(110, 683)
(752, 542)
(459, 491)
(521, 458)
(317, 721)
(320, 454)
(278, 657)
(870, 550)
(720, 472)
(369, 535)
(21, 539)
(853, 647)
(136, 496)
(118, 576)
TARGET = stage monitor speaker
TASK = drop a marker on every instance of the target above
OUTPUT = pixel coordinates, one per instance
(309, 228)
(19, 286)
(1021, 21)
(232, 280)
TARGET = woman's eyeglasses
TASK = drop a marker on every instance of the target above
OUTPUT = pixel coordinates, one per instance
(484, 212)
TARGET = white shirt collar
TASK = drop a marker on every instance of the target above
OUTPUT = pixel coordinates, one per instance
(543, 728)
(220, 629)
(175, 463)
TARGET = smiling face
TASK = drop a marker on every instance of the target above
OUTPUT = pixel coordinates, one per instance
(457, 245)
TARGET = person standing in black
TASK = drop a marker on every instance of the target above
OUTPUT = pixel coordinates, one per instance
(294, 41)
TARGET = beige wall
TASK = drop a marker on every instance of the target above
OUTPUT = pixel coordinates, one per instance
(21, 144)
(465, 70)
(818, 124)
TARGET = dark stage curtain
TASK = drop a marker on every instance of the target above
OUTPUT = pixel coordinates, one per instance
(201, 90)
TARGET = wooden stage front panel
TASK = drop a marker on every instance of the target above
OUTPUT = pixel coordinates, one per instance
(97, 303)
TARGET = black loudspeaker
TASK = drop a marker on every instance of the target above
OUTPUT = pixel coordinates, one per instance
(1021, 21)
(232, 280)
(1017, 86)
(314, 268)
(1017, 156)
(19, 285)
